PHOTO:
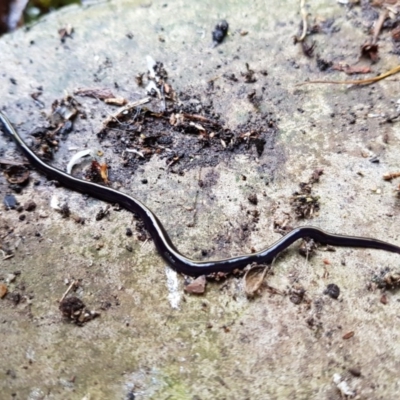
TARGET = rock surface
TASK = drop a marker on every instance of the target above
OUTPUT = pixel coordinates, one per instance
(153, 341)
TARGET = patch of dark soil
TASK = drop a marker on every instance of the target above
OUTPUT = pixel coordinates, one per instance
(189, 134)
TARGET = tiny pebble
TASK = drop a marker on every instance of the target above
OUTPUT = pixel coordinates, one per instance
(10, 201)
(29, 205)
(10, 278)
(253, 199)
(198, 286)
(332, 290)
(355, 372)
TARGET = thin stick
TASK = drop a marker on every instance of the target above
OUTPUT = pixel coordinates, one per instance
(367, 81)
(304, 19)
(70, 287)
(378, 26)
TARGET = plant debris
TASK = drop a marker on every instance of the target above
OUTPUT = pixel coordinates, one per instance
(366, 81)
(386, 279)
(304, 203)
(103, 94)
(97, 173)
(74, 310)
(100, 93)
(307, 248)
(254, 278)
(60, 123)
(182, 135)
(79, 158)
(296, 294)
(370, 50)
(303, 25)
(351, 69)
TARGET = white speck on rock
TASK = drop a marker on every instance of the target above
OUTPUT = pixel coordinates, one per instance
(343, 386)
(174, 295)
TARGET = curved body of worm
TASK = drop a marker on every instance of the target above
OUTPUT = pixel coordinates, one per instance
(162, 241)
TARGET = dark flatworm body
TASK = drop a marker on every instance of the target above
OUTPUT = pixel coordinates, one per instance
(162, 241)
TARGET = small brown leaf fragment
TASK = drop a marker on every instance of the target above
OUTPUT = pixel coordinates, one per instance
(3, 290)
(254, 278)
(307, 248)
(249, 75)
(74, 310)
(198, 286)
(97, 172)
(384, 299)
(348, 335)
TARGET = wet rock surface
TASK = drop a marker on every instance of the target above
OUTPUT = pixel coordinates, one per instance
(219, 163)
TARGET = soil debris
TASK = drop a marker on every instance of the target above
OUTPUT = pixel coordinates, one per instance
(74, 310)
(296, 294)
(304, 203)
(307, 248)
(387, 279)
